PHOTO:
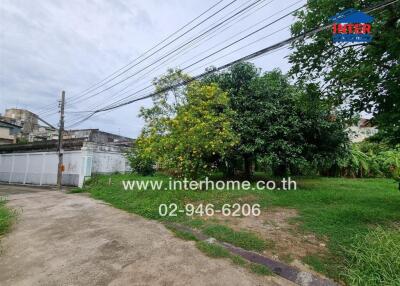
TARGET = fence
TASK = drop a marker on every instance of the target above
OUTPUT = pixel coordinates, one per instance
(40, 168)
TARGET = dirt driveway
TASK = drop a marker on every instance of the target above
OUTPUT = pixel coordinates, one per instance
(70, 239)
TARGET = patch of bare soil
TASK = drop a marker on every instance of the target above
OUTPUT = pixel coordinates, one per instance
(277, 226)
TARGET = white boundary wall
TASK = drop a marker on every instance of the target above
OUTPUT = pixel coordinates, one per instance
(40, 168)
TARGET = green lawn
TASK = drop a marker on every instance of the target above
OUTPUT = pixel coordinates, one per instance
(344, 211)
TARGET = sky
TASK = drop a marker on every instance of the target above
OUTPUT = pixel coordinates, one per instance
(47, 46)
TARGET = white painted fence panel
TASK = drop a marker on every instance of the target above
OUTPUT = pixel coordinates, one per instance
(40, 168)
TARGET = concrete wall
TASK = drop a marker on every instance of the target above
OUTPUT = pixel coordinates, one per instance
(40, 168)
(105, 163)
(107, 159)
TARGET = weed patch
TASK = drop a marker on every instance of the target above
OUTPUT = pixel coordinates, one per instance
(374, 259)
(6, 217)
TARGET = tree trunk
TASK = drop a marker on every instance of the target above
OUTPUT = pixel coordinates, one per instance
(229, 169)
(281, 171)
(248, 166)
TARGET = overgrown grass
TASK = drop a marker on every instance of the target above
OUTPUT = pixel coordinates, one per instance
(6, 216)
(213, 250)
(259, 269)
(374, 259)
(336, 209)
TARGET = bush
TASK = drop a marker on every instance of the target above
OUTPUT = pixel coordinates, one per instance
(140, 164)
(374, 259)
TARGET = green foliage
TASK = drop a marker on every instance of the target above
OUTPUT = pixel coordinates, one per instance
(371, 160)
(281, 127)
(373, 259)
(141, 162)
(187, 135)
(389, 163)
(22, 140)
(358, 77)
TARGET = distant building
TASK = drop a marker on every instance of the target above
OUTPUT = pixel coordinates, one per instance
(9, 132)
(86, 151)
(90, 135)
(30, 130)
(22, 117)
(362, 130)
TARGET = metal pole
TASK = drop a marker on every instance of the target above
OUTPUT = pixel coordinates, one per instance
(60, 142)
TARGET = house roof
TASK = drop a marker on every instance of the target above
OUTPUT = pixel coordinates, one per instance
(352, 16)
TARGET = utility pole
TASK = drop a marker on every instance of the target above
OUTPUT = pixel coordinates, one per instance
(60, 142)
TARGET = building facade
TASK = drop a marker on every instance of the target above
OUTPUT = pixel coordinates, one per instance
(361, 131)
(9, 132)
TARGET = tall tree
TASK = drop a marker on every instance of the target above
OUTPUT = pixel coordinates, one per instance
(237, 81)
(279, 125)
(356, 77)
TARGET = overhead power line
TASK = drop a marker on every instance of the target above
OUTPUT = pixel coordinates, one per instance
(156, 45)
(202, 38)
(179, 48)
(161, 64)
(176, 51)
(245, 58)
(229, 45)
(165, 45)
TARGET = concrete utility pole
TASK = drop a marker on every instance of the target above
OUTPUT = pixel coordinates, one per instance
(60, 142)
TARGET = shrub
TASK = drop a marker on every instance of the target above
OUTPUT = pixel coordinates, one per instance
(371, 160)
(389, 163)
(374, 259)
(139, 163)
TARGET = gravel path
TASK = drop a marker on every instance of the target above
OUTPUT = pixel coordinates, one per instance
(70, 239)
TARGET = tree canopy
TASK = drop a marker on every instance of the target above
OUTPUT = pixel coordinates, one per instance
(188, 130)
(280, 126)
(356, 77)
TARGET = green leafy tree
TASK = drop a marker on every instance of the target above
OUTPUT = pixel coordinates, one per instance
(357, 77)
(140, 162)
(280, 126)
(237, 83)
(187, 131)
